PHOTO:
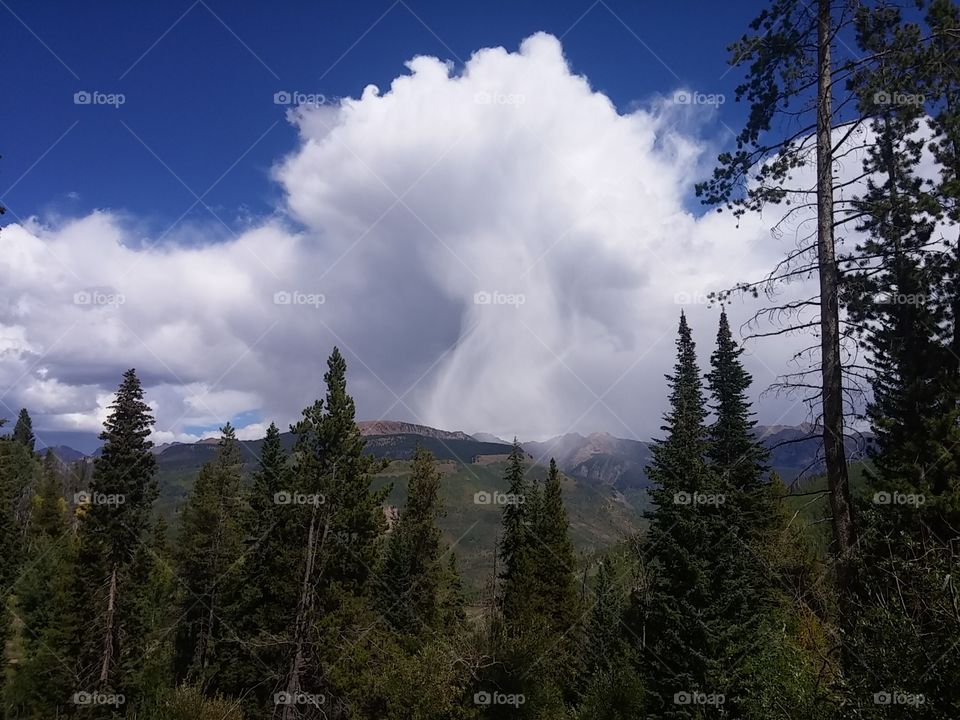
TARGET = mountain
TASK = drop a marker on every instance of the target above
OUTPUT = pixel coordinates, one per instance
(65, 454)
(599, 457)
(395, 427)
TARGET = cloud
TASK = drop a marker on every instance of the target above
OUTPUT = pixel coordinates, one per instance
(494, 247)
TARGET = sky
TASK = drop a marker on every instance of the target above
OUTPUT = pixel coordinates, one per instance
(488, 207)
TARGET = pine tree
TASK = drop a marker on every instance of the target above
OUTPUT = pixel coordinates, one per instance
(263, 596)
(39, 682)
(208, 549)
(114, 523)
(23, 430)
(331, 469)
(683, 633)
(413, 574)
(518, 596)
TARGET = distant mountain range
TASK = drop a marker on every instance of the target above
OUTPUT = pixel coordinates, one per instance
(599, 458)
(604, 478)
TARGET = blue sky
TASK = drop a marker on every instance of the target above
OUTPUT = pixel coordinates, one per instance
(160, 231)
(198, 80)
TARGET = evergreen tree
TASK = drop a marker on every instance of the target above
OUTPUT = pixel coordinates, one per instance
(39, 683)
(682, 637)
(518, 597)
(413, 575)
(263, 596)
(23, 430)
(331, 471)
(208, 549)
(114, 523)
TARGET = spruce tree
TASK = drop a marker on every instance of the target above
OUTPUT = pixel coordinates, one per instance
(114, 523)
(518, 597)
(23, 430)
(39, 683)
(682, 653)
(262, 597)
(413, 575)
(331, 470)
(208, 549)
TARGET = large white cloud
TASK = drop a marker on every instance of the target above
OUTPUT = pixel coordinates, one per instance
(508, 180)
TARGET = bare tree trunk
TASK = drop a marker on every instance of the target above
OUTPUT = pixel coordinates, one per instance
(837, 481)
(108, 636)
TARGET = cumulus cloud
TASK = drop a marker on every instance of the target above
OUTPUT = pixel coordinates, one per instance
(494, 247)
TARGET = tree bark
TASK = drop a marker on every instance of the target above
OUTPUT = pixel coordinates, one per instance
(838, 486)
(108, 635)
